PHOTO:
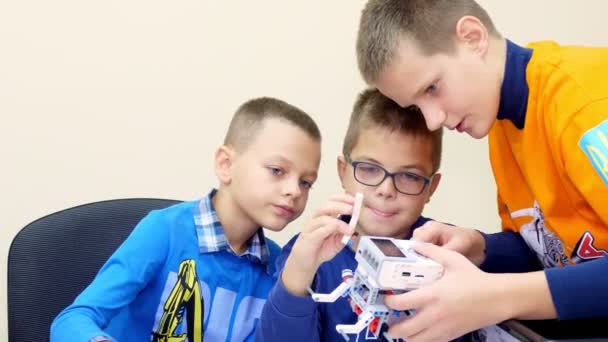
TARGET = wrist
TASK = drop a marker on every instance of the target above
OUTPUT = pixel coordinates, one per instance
(295, 279)
(478, 250)
(523, 296)
(505, 306)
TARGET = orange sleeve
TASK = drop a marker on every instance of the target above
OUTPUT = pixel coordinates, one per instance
(584, 153)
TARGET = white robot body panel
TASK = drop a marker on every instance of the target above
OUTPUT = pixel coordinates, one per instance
(394, 265)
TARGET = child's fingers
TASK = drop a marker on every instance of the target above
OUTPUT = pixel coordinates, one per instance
(447, 258)
(332, 226)
(430, 232)
(346, 198)
(324, 226)
(335, 208)
(316, 223)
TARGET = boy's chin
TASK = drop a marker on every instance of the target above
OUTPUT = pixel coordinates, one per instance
(478, 135)
(383, 232)
(274, 225)
(274, 229)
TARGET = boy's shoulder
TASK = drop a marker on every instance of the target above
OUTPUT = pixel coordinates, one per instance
(172, 220)
(176, 208)
(175, 212)
(569, 82)
(572, 71)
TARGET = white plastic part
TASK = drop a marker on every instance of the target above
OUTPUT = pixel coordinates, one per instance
(363, 321)
(354, 218)
(331, 297)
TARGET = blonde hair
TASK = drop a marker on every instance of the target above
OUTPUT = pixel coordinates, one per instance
(250, 116)
(430, 24)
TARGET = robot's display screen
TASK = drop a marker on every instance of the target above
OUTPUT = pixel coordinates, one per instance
(388, 247)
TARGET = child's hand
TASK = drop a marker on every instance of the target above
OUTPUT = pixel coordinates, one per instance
(465, 299)
(461, 301)
(466, 241)
(318, 242)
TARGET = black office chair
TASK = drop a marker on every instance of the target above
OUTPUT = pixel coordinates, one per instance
(52, 259)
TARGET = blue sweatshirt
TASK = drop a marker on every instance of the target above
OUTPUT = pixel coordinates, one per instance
(174, 277)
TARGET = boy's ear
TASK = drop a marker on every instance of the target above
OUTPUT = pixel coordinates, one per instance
(471, 32)
(433, 186)
(224, 158)
(341, 169)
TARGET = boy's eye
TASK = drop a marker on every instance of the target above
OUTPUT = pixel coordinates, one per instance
(432, 89)
(369, 169)
(306, 184)
(409, 177)
(275, 170)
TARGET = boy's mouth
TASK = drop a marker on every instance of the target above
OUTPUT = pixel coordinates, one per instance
(382, 213)
(460, 127)
(283, 210)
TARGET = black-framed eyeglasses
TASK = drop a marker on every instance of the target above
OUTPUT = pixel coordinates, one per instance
(371, 174)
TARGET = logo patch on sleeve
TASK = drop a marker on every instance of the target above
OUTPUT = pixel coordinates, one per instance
(595, 145)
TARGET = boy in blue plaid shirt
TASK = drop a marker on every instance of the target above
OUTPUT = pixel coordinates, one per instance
(204, 267)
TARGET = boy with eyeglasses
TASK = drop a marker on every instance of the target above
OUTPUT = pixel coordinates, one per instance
(390, 157)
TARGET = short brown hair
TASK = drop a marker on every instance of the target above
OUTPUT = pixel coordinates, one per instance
(250, 116)
(372, 109)
(429, 23)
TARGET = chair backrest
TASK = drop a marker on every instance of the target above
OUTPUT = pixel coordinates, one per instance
(52, 259)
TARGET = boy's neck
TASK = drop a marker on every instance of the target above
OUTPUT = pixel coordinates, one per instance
(238, 228)
(497, 56)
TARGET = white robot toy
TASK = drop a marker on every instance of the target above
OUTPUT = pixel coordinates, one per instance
(385, 266)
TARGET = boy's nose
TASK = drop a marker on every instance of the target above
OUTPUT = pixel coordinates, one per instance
(433, 115)
(387, 188)
(292, 188)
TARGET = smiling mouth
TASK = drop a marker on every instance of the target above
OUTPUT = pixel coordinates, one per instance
(383, 214)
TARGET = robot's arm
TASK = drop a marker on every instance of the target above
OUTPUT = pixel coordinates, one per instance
(330, 297)
(343, 288)
(362, 322)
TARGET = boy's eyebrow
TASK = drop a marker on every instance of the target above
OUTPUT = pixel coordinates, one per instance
(313, 174)
(407, 166)
(404, 102)
(282, 159)
(369, 159)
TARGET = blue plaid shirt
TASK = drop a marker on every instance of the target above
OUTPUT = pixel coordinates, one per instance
(211, 237)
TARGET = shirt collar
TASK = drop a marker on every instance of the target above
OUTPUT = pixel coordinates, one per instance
(211, 237)
(514, 90)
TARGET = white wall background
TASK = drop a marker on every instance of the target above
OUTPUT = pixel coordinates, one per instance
(113, 99)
